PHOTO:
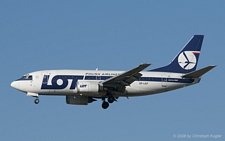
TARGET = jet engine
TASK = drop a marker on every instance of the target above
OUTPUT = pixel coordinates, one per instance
(79, 100)
(84, 86)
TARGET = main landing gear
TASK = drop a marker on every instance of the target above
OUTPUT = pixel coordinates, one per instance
(105, 104)
(111, 99)
(36, 101)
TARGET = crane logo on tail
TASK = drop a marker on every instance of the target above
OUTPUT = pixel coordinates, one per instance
(187, 59)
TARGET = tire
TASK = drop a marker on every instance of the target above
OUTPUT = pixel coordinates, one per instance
(111, 99)
(105, 105)
(36, 101)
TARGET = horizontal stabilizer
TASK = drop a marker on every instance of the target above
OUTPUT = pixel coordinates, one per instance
(198, 73)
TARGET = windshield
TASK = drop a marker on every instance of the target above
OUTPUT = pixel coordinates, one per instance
(26, 77)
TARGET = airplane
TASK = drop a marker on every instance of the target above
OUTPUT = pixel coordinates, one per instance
(81, 87)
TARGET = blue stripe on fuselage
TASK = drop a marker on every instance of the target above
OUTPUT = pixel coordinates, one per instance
(156, 79)
(75, 78)
(159, 79)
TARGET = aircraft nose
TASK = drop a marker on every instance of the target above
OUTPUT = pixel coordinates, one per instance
(15, 85)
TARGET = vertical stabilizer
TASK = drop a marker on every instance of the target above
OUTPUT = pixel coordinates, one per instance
(187, 59)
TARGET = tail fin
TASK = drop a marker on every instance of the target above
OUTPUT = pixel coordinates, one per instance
(187, 59)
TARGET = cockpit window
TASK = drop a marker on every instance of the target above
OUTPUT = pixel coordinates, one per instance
(26, 77)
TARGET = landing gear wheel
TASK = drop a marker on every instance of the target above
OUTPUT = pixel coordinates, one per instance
(105, 105)
(111, 99)
(36, 101)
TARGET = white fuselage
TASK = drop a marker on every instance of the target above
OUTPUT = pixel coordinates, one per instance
(64, 82)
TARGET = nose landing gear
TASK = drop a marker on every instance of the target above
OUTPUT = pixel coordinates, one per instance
(36, 101)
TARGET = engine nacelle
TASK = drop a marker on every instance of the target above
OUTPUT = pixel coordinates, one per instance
(79, 100)
(84, 86)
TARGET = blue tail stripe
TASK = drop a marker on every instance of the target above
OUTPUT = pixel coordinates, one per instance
(187, 59)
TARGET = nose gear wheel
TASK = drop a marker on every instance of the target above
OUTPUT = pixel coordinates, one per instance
(36, 101)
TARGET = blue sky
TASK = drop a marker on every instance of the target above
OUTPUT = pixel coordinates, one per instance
(114, 35)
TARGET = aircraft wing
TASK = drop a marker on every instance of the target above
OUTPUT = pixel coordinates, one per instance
(125, 79)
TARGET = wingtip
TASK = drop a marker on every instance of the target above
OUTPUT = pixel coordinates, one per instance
(213, 66)
(146, 64)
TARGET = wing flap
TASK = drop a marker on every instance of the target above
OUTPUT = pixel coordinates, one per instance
(198, 73)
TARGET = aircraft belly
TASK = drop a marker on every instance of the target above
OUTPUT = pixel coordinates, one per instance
(70, 92)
